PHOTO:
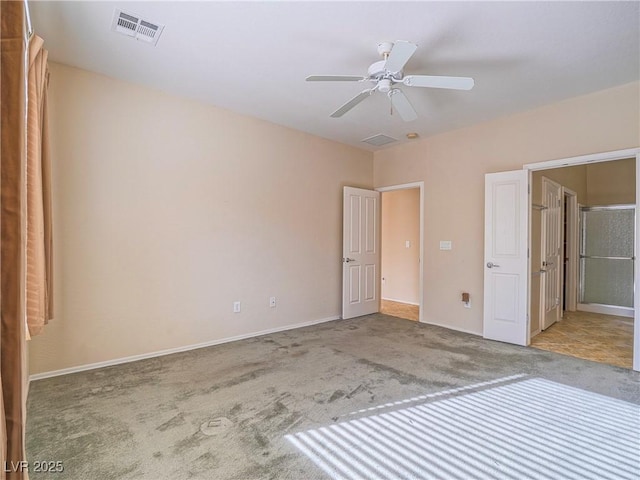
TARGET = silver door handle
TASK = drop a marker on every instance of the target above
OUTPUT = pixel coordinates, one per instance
(347, 260)
(547, 264)
(491, 265)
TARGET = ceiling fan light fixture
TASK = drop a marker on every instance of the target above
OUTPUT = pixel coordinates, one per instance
(384, 85)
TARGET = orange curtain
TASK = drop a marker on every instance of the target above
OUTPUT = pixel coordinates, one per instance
(12, 237)
(25, 224)
(39, 298)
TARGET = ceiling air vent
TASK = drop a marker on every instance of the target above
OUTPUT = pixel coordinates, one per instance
(133, 26)
(379, 140)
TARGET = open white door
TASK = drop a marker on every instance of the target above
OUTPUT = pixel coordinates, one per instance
(551, 253)
(506, 269)
(360, 252)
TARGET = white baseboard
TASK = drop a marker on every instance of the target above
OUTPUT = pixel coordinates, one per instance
(169, 351)
(606, 309)
(449, 327)
(400, 301)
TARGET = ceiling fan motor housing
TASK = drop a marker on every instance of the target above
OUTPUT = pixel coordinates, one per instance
(377, 74)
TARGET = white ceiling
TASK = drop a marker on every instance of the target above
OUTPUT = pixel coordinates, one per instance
(253, 57)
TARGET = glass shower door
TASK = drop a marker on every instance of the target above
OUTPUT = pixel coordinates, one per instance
(607, 255)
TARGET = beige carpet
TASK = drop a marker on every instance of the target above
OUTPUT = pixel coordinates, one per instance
(374, 397)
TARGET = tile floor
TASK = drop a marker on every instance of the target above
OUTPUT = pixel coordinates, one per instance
(601, 338)
(401, 310)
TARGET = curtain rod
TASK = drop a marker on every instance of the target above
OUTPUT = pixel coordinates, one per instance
(28, 18)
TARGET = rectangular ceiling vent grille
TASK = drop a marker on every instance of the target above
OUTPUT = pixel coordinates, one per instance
(133, 26)
(379, 140)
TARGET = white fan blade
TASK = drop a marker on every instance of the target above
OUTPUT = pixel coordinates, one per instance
(402, 105)
(352, 103)
(455, 83)
(334, 78)
(399, 56)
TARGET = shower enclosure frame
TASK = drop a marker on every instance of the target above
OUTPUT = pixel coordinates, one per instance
(599, 307)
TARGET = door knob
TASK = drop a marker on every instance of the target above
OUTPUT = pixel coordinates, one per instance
(491, 265)
(347, 260)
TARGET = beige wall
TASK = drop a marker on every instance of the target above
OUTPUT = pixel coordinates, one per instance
(611, 183)
(573, 178)
(453, 165)
(166, 211)
(401, 265)
(603, 183)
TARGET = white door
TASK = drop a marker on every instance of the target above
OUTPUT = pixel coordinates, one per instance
(551, 253)
(506, 282)
(360, 252)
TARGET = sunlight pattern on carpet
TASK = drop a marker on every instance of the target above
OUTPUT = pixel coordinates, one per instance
(531, 428)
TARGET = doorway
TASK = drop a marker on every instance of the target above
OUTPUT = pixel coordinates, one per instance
(401, 250)
(593, 334)
(570, 250)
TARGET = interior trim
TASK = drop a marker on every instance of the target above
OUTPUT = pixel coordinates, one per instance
(169, 351)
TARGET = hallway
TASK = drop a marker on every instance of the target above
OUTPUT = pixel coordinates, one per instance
(401, 310)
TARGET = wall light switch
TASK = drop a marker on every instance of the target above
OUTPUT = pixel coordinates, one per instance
(445, 245)
(407, 244)
(236, 307)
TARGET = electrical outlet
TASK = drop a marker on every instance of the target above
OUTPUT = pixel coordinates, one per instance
(272, 302)
(466, 300)
(236, 307)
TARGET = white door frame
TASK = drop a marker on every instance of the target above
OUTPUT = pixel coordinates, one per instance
(596, 158)
(570, 217)
(407, 186)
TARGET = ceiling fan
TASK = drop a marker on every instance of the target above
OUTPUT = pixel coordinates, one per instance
(387, 73)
